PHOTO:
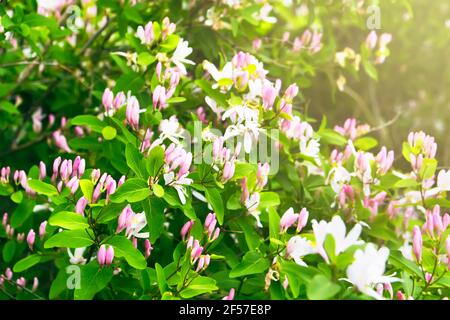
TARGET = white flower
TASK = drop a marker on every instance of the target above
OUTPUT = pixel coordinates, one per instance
(297, 248)
(250, 132)
(50, 5)
(263, 14)
(337, 177)
(220, 76)
(180, 54)
(170, 129)
(178, 184)
(443, 180)
(214, 107)
(337, 229)
(241, 113)
(135, 223)
(77, 256)
(252, 204)
(368, 270)
(310, 148)
(407, 251)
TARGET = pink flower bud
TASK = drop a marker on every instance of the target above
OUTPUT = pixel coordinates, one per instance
(97, 192)
(109, 256)
(428, 277)
(81, 205)
(134, 242)
(121, 181)
(95, 175)
(230, 295)
(417, 243)
(35, 284)
(110, 188)
(400, 295)
(148, 248)
(107, 100)
(288, 219)
(8, 273)
(302, 219)
(42, 228)
(372, 39)
(132, 112)
(186, 228)
(21, 283)
(5, 219)
(228, 171)
(388, 288)
(101, 255)
(31, 237)
(119, 100)
(42, 171)
(159, 97)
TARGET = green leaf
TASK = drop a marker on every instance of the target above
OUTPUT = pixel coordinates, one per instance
(214, 94)
(22, 212)
(145, 59)
(42, 187)
(124, 248)
(330, 247)
(198, 286)
(176, 100)
(330, 136)
(109, 133)
(27, 263)
(135, 161)
(155, 161)
(70, 239)
(321, 288)
(396, 259)
(68, 220)
(90, 121)
(215, 199)
(428, 168)
(87, 188)
(154, 212)
(366, 143)
(17, 196)
(93, 279)
(269, 199)
(158, 190)
(133, 190)
(252, 263)
(161, 277)
(9, 250)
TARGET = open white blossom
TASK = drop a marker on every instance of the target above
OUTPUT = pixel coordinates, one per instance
(298, 247)
(368, 270)
(178, 183)
(77, 256)
(337, 229)
(180, 54)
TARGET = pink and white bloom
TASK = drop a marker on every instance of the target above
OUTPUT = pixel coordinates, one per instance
(179, 55)
(298, 247)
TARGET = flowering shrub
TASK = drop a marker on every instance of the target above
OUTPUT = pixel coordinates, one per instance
(166, 167)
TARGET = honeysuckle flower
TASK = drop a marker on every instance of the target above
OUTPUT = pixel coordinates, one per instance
(443, 180)
(148, 248)
(179, 183)
(310, 148)
(337, 229)
(424, 143)
(298, 247)
(252, 204)
(338, 177)
(368, 269)
(61, 141)
(37, 118)
(230, 295)
(214, 107)
(407, 250)
(417, 243)
(146, 33)
(77, 256)
(223, 78)
(289, 218)
(159, 97)
(31, 237)
(134, 224)
(179, 55)
(107, 101)
(186, 229)
(170, 129)
(263, 14)
(132, 112)
(262, 175)
(42, 228)
(105, 255)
